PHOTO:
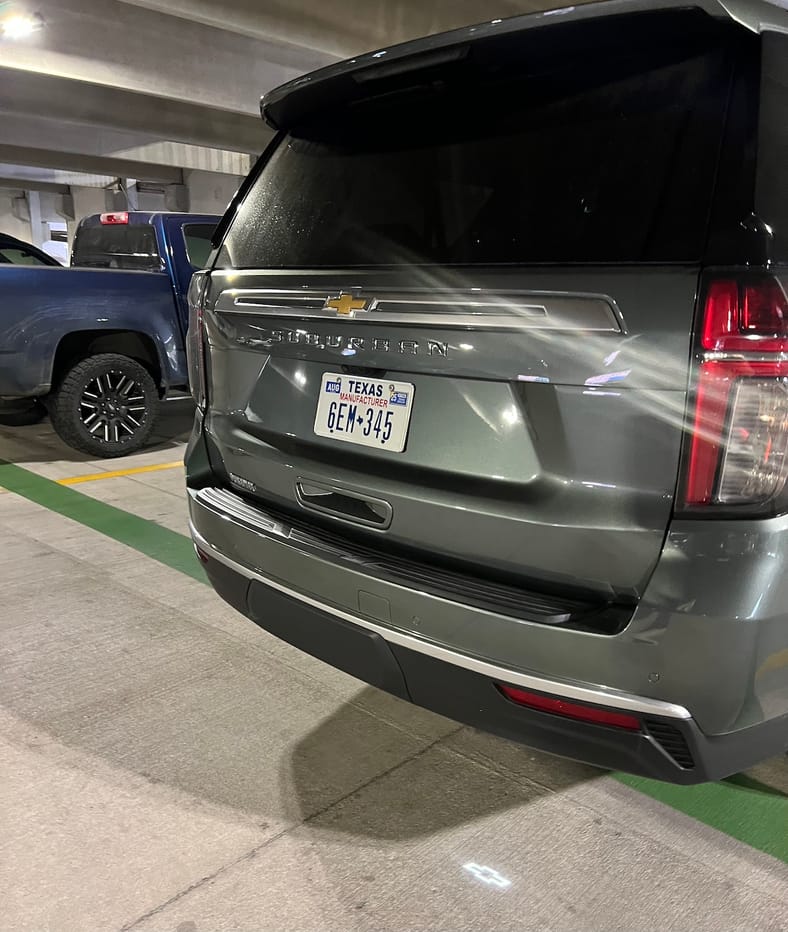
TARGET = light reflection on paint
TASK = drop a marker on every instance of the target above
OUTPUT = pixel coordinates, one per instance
(607, 377)
(511, 415)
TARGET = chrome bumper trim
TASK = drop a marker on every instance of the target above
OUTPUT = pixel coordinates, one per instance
(596, 695)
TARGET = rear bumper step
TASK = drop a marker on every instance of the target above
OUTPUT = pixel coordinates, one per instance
(245, 562)
(468, 589)
(595, 695)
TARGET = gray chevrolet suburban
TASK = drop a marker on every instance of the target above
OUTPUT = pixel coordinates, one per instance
(491, 366)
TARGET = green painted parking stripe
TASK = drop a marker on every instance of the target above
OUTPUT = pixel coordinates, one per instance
(160, 543)
(741, 807)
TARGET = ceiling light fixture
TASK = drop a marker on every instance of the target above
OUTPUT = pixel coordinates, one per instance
(21, 25)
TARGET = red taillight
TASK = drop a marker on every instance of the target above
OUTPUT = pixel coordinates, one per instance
(746, 316)
(121, 216)
(195, 337)
(738, 452)
(581, 713)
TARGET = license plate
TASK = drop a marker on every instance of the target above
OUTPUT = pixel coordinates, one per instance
(369, 412)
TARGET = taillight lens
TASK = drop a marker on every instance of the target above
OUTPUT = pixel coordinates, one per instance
(738, 450)
(120, 216)
(195, 337)
(575, 710)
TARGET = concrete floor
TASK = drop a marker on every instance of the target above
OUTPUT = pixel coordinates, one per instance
(165, 765)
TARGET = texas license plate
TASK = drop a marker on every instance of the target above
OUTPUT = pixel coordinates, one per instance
(369, 412)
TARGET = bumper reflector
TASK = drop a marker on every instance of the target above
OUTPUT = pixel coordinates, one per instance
(582, 713)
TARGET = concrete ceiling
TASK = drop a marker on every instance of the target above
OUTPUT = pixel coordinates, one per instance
(146, 88)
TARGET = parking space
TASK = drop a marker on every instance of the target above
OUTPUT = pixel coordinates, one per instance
(168, 766)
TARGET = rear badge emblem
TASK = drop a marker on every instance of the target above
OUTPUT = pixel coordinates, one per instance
(345, 305)
(242, 483)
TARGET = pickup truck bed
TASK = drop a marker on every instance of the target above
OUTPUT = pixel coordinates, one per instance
(99, 345)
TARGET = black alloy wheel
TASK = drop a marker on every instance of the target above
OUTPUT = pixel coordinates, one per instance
(106, 405)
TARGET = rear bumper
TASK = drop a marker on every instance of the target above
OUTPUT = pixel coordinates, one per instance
(276, 577)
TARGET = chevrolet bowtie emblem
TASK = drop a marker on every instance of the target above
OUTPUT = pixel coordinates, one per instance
(345, 305)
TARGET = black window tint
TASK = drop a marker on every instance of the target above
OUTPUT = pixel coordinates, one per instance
(771, 193)
(197, 237)
(14, 256)
(118, 246)
(608, 154)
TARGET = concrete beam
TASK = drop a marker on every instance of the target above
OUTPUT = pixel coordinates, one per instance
(90, 164)
(341, 28)
(111, 44)
(32, 131)
(75, 101)
(21, 184)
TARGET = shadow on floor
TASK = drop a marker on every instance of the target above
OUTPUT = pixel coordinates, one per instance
(38, 443)
(463, 777)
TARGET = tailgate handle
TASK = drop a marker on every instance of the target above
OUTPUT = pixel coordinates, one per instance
(343, 504)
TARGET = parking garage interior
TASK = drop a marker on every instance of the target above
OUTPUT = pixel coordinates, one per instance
(166, 765)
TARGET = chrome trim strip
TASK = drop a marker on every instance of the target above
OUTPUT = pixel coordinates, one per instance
(737, 356)
(468, 310)
(597, 695)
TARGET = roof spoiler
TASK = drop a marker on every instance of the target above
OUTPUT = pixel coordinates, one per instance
(354, 79)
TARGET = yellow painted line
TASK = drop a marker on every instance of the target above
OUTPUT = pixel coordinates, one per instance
(115, 473)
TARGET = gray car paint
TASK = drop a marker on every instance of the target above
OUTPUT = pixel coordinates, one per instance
(514, 467)
(709, 631)
(707, 634)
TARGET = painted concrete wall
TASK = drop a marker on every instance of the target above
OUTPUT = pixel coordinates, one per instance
(8, 222)
(86, 201)
(210, 192)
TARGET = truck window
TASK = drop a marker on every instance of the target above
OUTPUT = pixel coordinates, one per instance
(117, 247)
(197, 237)
(15, 256)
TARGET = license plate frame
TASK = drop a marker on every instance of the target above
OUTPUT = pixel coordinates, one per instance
(367, 412)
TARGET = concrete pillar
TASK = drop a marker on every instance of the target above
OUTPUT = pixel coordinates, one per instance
(14, 216)
(64, 206)
(116, 197)
(37, 237)
(86, 201)
(21, 210)
(176, 197)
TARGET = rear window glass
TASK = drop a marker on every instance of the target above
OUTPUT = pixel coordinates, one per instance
(117, 246)
(599, 154)
(197, 237)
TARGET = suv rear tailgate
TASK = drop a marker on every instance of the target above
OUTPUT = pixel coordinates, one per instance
(516, 230)
(545, 452)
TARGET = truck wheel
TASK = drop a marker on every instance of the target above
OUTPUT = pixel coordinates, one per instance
(106, 405)
(21, 415)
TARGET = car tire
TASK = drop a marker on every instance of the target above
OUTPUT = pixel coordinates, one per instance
(106, 405)
(22, 415)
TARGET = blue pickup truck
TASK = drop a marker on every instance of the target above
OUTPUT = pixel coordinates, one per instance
(98, 345)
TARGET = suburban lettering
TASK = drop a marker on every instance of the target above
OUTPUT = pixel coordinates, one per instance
(339, 341)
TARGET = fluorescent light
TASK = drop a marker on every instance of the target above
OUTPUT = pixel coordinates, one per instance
(20, 25)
